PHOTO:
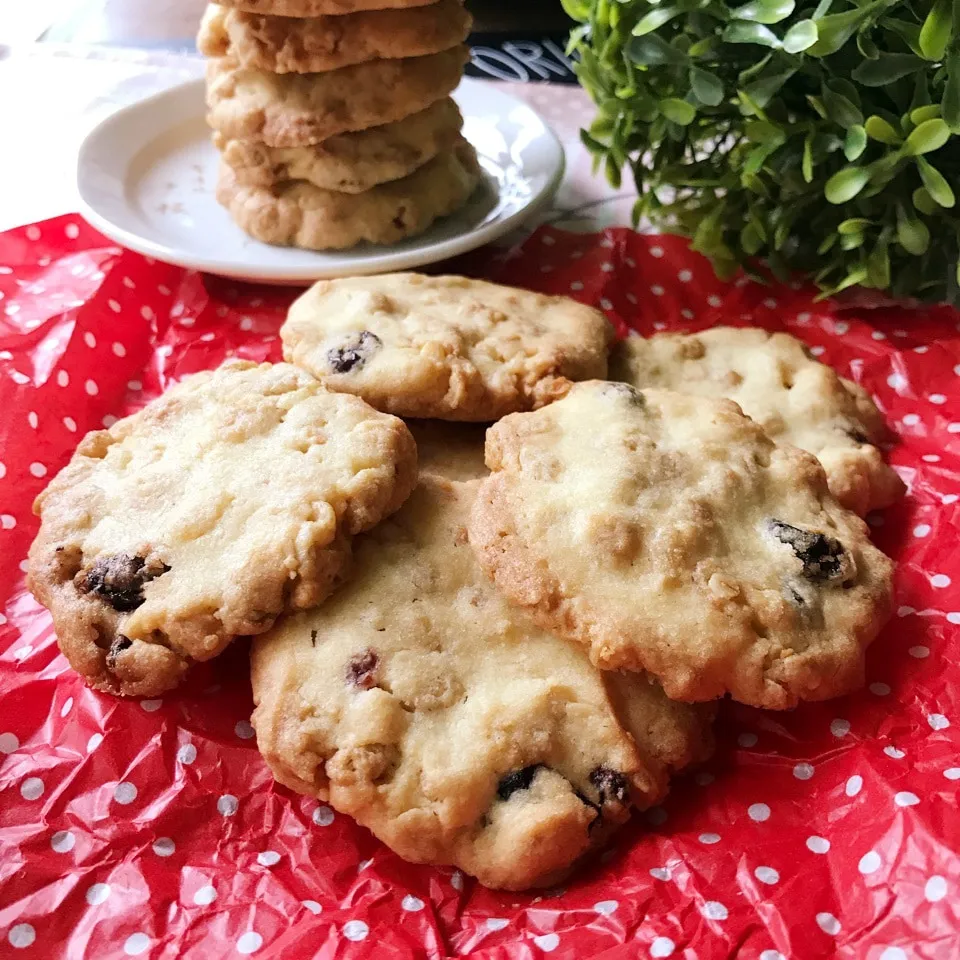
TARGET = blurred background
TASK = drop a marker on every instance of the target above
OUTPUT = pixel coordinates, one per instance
(512, 39)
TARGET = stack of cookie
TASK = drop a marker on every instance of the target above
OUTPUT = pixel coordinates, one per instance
(491, 656)
(334, 118)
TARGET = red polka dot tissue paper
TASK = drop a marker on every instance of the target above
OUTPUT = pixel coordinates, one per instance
(152, 828)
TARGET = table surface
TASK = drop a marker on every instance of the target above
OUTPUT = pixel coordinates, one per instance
(74, 86)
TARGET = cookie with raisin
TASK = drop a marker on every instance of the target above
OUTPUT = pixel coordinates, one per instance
(419, 702)
(444, 347)
(668, 533)
(229, 500)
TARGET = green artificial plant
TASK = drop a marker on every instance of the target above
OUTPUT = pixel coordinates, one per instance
(820, 139)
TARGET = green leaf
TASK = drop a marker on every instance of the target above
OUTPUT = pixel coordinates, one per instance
(655, 19)
(887, 68)
(653, 51)
(924, 202)
(878, 129)
(828, 243)
(925, 113)
(801, 36)
(740, 31)
(678, 111)
(707, 87)
(762, 131)
(612, 171)
(929, 136)
(807, 165)
(912, 235)
(853, 278)
(846, 184)
(839, 108)
(764, 88)
(854, 225)
(852, 241)
(936, 183)
(936, 30)
(750, 239)
(950, 107)
(764, 11)
(834, 30)
(866, 45)
(855, 143)
(878, 266)
(909, 33)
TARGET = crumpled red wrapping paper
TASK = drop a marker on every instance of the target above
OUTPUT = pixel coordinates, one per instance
(153, 828)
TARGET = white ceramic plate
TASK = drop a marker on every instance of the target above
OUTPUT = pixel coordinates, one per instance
(146, 177)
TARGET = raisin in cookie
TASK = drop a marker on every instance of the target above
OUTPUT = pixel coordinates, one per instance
(320, 8)
(350, 162)
(449, 348)
(795, 398)
(318, 44)
(225, 502)
(668, 533)
(296, 110)
(299, 214)
(417, 701)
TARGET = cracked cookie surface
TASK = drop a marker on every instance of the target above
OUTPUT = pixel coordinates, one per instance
(777, 383)
(223, 503)
(668, 533)
(444, 347)
(420, 703)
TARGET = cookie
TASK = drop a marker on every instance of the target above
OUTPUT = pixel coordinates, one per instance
(449, 348)
(450, 450)
(223, 503)
(417, 701)
(668, 533)
(299, 214)
(297, 110)
(349, 162)
(318, 44)
(776, 382)
(320, 8)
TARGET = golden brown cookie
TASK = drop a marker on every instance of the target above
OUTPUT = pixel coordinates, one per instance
(320, 8)
(230, 499)
(349, 162)
(296, 110)
(319, 44)
(301, 215)
(446, 347)
(419, 702)
(666, 532)
(777, 383)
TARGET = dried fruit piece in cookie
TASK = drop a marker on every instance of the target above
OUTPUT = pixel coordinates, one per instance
(668, 533)
(225, 502)
(419, 702)
(776, 382)
(444, 347)
(319, 44)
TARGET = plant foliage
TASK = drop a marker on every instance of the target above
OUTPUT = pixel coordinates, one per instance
(821, 139)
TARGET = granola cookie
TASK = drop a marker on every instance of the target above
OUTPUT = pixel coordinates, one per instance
(777, 383)
(299, 214)
(668, 533)
(320, 8)
(420, 703)
(349, 162)
(230, 499)
(297, 110)
(444, 347)
(319, 44)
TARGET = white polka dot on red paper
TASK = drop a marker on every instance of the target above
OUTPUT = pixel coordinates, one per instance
(938, 721)
(839, 727)
(164, 847)
(94, 742)
(98, 893)
(766, 875)
(62, 841)
(747, 740)
(38, 469)
(323, 816)
(496, 923)
(412, 904)
(9, 742)
(803, 771)
(771, 955)
(828, 923)
(21, 936)
(227, 805)
(660, 873)
(113, 305)
(547, 942)
(880, 689)
(894, 953)
(72, 231)
(205, 896)
(818, 844)
(895, 753)
(854, 785)
(869, 863)
(124, 793)
(136, 944)
(31, 788)
(244, 729)
(7, 522)
(935, 889)
(662, 947)
(147, 313)
(268, 858)
(714, 910)
(709, 838)
(63, 378)
(70, 424)
(187, 754)
(91, 388)
(89, 339)
(758, 812)
(355, 930)
(657, 290)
